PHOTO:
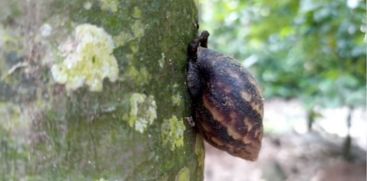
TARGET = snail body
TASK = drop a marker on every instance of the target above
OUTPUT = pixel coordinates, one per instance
(227, 106)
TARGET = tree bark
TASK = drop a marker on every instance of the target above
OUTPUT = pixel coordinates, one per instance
(95, 90)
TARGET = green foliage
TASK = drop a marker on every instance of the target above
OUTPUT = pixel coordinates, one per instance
(308, 49)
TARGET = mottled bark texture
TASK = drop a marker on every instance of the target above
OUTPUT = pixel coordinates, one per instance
(95, 90)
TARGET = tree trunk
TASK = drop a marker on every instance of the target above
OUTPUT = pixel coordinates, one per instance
(347, 145)
(95, 90)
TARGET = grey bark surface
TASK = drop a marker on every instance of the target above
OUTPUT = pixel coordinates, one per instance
(131, 129)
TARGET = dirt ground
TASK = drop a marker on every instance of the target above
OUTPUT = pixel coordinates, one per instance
(289, 152)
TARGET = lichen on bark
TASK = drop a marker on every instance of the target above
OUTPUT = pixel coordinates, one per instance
(88, 59)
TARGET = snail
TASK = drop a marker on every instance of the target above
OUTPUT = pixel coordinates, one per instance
(227, 106)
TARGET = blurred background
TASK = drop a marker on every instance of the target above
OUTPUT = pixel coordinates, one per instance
(310, 58)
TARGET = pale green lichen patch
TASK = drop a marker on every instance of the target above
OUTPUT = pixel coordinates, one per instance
(139, 76)
(199, 150)
(122, 38)
(176, 99)
(175, 86)
(109, 5)
(183, 175)
(137, 32)
(173, 132)
(137, 13)
(138, 29)
(142, 111)
(88, 59)
(162, 60)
